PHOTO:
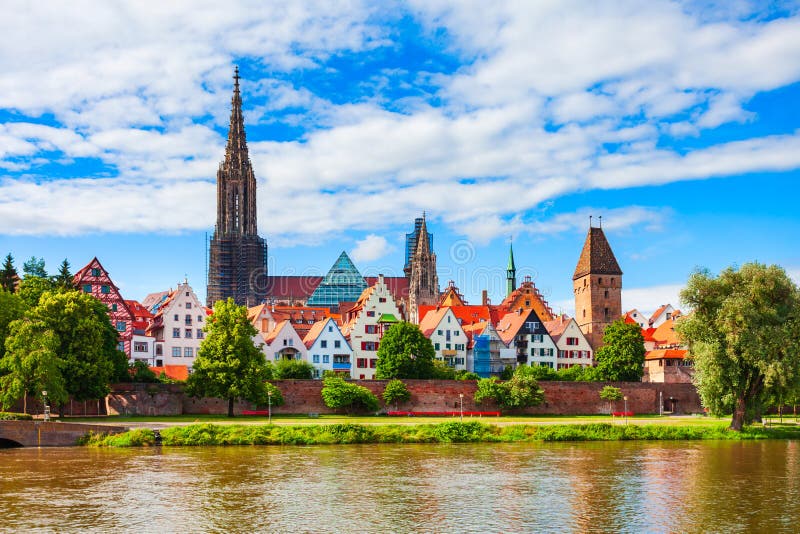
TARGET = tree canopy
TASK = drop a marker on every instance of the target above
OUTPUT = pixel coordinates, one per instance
(621, 358)
(228, 365)
(405, 352)
(521, 391)
(292, 369)
(63, 279)
(8, 274)
(11, 308)
(396, 392)
(339, 394)
(742, 336)
(34, 267)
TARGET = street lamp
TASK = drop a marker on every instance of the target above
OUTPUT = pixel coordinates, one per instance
(625, 398)
(269, 406)
(46, 407)
(461, 411)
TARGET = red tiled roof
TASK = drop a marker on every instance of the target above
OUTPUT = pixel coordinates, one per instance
(666, 354)
(397, 285)
(510, 324)
(658, 312)
(314, 333)
(596, 256)
(556, 327)
(431, 320)
(292, 287)
(665, 334)
(175, 372)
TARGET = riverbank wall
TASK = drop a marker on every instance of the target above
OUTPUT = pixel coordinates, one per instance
(304, 397)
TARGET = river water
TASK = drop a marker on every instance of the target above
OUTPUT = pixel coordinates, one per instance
(602, 487)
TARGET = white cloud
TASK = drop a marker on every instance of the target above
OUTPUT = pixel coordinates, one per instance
(371, 248)
(648, 299)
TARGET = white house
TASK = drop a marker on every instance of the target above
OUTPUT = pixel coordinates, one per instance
(488, 355)
(636, 316)
(524, 331)
(365, 323)
(448, 337)
(662, 314)
(283, 343)
(573, 347)
(327, 349)
(178, 327)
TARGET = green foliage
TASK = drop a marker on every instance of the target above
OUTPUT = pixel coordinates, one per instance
(31, 289)
(11, 309)
(621, 358)
(296, 369)
(442, 371)
(466, 375)
(274, 395)
(507, 373)
(611, 394)
(342, 395)
(396, 392)
(11, 416)
(141, 373)
(34, 267)
(742, 336)
(405, 352)
(228, 365)
(521, 391)
(8, 274)
(542, 372)
(63, 279)
(447, 432)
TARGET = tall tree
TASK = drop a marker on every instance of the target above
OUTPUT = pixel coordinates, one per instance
(8, 274)
(11, 309)
(405, 352)
(621, 358)
(34, 267)
(228, 365)
(63, 279)
(31, 289)
(742, 336)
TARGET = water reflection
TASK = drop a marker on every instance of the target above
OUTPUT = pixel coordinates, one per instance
(626, 487)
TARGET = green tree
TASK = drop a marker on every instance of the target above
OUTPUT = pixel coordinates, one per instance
(228, 365)
(34, 267)
(11, 309)
(621, 358)
(742, 336)
(339, 394)
(611, 394)
(405, 352)
(292, 369)
(521, 391)
(63, 279)
(31, 289)
(465, 375)
(8, 274)
(395, 393)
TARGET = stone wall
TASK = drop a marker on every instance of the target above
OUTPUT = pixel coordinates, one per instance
(303, 397)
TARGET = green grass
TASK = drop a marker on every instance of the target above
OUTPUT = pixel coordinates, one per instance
(447, 432)
(13, 416)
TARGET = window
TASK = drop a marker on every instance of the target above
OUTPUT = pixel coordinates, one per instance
(199, 318)
(188, 305)
(456, 333)
(87, 288)
(176, 332)
(537, 338)
(562, 354)
(176, 352)
(337, 344)
(532, 325)
(139, 346)
(447, 346)
(159, 350)
(330, 328)
(370, 314)
(113, 307)
(605, 313)
(459, 346)
(277, 356)
(436, 346)
(188, 319)
(361, 363)
(584, 313)
(326, 358)
(291, 342)
(315, 358)
(121, 326)
(188, 333)
(121, 346)
(439, 332)
(382, 299)
(187, 293)
(371, 328)
(323, 344)
(159, 363)
(612, 282)
(448, 318)
(285, 342)
(600, 281)
(176, 317)
(105, 290)
(369, 345)
(605, 293)
(187, 352)
(373, 363)
(572, 341)
(95, 272)
(199, 333)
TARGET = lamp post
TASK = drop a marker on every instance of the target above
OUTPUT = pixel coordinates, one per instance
(269, 405)
(46, 407)
(625, 398)
(461, 410)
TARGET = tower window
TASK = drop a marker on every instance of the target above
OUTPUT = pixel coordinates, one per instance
(612, 282)
(605, 293)
(584, 313)
(600, 281)
(605, 313)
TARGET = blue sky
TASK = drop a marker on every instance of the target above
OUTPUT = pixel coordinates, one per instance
(678, 122)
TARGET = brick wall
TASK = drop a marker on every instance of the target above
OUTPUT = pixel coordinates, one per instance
(303, 396)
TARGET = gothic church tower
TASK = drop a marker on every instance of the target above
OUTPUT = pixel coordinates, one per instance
(423, 286)
(237, 265)
(597, 283)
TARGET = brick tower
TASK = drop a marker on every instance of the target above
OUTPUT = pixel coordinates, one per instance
(597, 283)
(423, 285)
(237, 265)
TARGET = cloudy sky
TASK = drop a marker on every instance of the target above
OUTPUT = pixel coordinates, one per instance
(678, 122)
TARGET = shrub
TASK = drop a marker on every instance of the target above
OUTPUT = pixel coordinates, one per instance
(521, 391)
(339, 394)
(292, 369)
(466, 375)
(396, 392)
(12, 416)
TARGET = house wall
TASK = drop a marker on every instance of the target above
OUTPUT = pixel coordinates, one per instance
(326, 355)
(170, 345)
(359, 334)
(451, 342)
(583, 346)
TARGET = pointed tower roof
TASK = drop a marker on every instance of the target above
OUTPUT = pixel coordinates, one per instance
(596, 256)
(343, 283)
(236, 149)
(423, 247)
(511, 266)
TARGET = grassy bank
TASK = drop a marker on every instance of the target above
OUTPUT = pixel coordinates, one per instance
(449, 432)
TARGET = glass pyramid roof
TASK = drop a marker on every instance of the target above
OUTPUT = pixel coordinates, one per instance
(343, 283)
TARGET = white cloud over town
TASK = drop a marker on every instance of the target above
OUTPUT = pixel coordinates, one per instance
(548, 99)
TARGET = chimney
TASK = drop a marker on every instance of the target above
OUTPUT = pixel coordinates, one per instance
(519, 311)
(484, 297)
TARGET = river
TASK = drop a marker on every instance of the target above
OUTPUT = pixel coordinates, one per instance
(619, 486)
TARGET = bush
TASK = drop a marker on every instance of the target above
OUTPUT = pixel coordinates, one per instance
(466, 375)
(339, 394)
(521, 391)
(292, 369)
(276, 395)
(396, 392)
(12, 416)
(141, 373)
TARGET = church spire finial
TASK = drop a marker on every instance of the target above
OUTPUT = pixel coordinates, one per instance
(237, 140)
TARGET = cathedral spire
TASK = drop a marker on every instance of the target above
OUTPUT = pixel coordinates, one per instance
(236, 150)
(423, 247)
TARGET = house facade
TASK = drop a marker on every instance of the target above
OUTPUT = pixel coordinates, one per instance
(572, 346)
(283, 343)
(327, 349)
(525, 332)
(178, 327)
(449, 340)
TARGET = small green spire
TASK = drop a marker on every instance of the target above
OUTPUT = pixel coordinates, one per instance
(511, 266)
(511, 271)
